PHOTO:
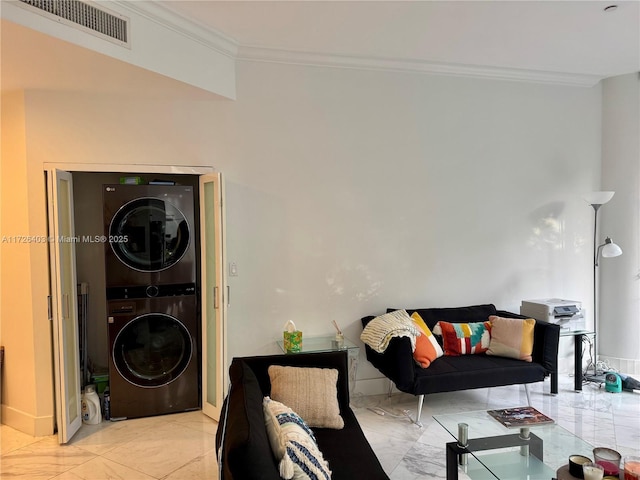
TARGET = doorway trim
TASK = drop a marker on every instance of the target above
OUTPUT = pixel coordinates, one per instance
(117, 167)
(49, 167)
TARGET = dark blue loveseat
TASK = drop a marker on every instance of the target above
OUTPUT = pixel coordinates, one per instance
(450, 373)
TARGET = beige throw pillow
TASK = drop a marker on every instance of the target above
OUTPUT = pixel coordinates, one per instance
(512, 337)
(311, 392)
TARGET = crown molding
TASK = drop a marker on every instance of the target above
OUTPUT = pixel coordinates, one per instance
(260, 54)
(226, 45)
(187, 27)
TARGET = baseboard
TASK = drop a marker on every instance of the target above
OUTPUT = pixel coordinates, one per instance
(628, 366)
(27, 423)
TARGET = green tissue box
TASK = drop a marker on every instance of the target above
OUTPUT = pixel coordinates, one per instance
(293, 341)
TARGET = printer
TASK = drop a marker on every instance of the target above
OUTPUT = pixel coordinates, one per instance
(566, 313)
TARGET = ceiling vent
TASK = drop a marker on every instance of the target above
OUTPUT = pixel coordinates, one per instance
(98, 21)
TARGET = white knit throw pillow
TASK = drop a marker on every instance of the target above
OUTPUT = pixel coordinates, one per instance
(311, 392)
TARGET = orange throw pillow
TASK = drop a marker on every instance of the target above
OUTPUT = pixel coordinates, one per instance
(427, 347)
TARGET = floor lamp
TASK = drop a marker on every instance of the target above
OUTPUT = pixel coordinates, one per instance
(605, 250)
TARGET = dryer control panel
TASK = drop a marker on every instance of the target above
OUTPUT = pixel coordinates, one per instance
(151, 291)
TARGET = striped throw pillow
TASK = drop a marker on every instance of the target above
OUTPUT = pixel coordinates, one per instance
(293, 444)
(464, 338)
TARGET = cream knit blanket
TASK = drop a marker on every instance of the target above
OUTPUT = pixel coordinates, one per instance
(379, 331)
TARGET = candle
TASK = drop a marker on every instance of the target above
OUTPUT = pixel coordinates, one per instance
(632, 469)
(610, 468)
(609, 459)
(592, 471)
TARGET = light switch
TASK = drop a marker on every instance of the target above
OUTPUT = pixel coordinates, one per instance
(233, 269)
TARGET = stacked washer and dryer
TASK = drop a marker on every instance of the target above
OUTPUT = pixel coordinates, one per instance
(152, 302)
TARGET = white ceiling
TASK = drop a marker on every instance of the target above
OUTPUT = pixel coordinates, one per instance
(560, 37)
(576, 37)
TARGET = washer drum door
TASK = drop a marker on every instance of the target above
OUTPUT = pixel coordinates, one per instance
(154, 363)
(152, 350)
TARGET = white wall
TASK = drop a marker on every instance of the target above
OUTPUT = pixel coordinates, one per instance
(352, 191)
(25, 332)
(619, 311)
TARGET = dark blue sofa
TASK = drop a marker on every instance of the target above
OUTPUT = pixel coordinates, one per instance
(449, 373)
(246, 453)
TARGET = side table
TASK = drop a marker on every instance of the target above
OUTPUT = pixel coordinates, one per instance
(577, 335)
(328, 344)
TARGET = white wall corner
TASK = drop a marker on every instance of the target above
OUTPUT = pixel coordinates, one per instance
(163, 15)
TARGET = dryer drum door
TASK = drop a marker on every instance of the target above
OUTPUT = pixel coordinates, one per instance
(152, 350)
(149, 234)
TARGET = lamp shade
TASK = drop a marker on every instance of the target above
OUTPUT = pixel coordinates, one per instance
(598, 198)
(610, 249)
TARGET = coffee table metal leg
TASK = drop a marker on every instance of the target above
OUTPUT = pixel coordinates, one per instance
(463, 442)
(524, 435)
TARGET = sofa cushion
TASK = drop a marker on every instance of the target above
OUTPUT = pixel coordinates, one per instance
(246, 450)
(427, 347)
(348, 451)
(311, 392)
(464, 338)
(511, 337)
(450, 374)
(293, 444)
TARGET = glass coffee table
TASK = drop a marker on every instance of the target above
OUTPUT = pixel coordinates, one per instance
(485, 449)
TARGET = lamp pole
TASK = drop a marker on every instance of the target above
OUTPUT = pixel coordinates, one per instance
(596, 207)
(596, 200)
(609, 249)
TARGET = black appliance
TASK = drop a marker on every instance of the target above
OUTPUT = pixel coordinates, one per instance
(154, 357)
(150, 237)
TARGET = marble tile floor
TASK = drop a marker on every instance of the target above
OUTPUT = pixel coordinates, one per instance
(182, 446)
(408, 452)
(179, 446)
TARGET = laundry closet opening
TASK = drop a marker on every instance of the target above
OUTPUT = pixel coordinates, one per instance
(148, 274)
(89, 220)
